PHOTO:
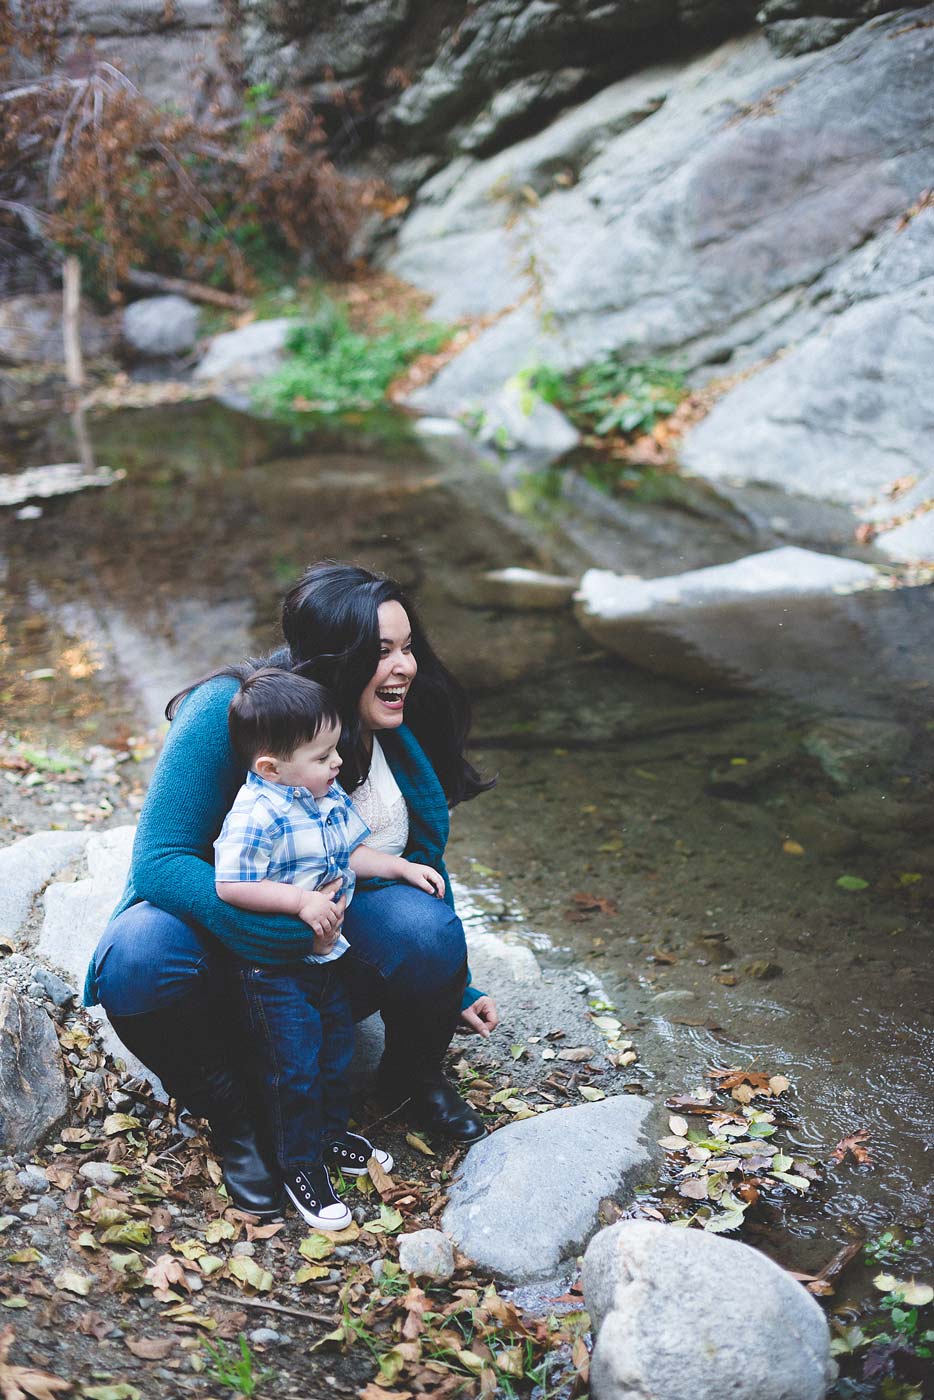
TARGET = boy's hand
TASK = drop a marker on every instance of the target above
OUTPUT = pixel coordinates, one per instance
(318, 910)
(423, 877)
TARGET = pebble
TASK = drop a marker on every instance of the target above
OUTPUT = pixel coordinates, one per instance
(359, 1214)
(376, 1268)
(265, 1336)
(49, 1206)
(30, 1210)
(122, 1101)
(34, 1179)
(427, 1254)
(244, 1248)
(35, 991)
(99, 1173)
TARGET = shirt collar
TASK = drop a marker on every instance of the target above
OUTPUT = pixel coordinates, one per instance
(282, 795)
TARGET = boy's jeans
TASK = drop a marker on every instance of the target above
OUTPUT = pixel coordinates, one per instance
(299, 1020)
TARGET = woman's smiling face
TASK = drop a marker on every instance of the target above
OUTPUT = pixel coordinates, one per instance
(383, 701)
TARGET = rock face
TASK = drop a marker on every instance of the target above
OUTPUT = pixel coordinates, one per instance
(509, 1213)
(155, 327)
(671, 1313)
(33, 1093)
(26, 866)
(31, 330)
(76, 914)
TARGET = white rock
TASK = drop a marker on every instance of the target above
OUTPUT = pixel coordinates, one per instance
(246, 355)
(159, 326)
(518, 417)
(493, 961)
(29, 864)
(682, 1314)
(427, 1254)
(99, 1174)
(525, 588)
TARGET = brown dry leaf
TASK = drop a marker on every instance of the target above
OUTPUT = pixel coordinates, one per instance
(415, 1303)
(419, 1144)
(381, 1180)
(854, 1144)
(151, 1348)
(731, 1078)
(581, 1358)
(165, 1274)
(262, 1232)
(694, 1188)
(576, 1054)
(743, 1093)
(60, 1177)
(16, 1382)
(592, 904)
(372, 1391)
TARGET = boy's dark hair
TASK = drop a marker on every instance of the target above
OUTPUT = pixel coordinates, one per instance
(277, 711)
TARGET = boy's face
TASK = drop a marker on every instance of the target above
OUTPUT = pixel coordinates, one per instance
(314, 765)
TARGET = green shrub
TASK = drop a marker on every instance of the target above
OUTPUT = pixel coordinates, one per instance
(332, 368)
(611, 397)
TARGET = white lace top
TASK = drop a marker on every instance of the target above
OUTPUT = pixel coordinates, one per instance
(381, 805)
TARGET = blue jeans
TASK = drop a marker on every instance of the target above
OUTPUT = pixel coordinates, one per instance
(405, 945)
(299, 1021)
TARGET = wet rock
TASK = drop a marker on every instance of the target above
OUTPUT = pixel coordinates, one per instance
(99, 1174)
(31, 330)
(756, 620)
(671, 1313)
(57, 479)
(510, 1215)
(518, 417)
(494, 961)
(427, 1254)
(856, 751)
(242, 357)
(33, 1091)
(29, 864)
(524, 588)
(54, 987)
(156, 327)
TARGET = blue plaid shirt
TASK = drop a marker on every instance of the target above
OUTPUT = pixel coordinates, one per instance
(274, 832)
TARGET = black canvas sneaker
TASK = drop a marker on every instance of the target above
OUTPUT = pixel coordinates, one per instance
(350, 1153)
(312, 1194)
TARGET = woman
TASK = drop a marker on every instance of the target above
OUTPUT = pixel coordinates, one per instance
(159, 970)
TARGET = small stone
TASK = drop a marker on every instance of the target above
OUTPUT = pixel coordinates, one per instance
(122, 1102)
(427, 1254)
(265, 1336)
(244, 1249)
(55, 987)
(35, 991)
(763, 969)
(30, 1210)
(34, 1179)
(99, 1174)
(377, 1268)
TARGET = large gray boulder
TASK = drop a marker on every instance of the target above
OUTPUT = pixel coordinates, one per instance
(155, 327)
(685, 1315)
(26, 866)
(527, 1197)
(76, 913)
(31, 330)
(33, 1092)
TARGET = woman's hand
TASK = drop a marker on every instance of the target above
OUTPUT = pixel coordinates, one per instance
(481, 1016)
(423, 877)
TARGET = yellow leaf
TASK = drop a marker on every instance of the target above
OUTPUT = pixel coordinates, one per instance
(249, 1272)
(73, 1282)
(210, 1263)
(592, 1095)
(120, 1123)
(191, 1249)
(309, 1272)
(316, 1246)
(419, 1144)
(219, 1230)
(471, 1361)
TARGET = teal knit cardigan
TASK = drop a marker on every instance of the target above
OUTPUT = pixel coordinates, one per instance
(193, 787)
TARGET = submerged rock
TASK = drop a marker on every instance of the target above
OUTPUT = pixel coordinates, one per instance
(686, 1315)
(33, 1092)
(527, 1197)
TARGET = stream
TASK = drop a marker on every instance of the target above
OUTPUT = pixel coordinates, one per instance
(713, 826)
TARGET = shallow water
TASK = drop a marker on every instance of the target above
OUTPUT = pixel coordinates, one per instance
(671, 803)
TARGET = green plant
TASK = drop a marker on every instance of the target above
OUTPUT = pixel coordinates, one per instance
(887, 1248)
(332, 368)
(235, 1370)
(627, 398)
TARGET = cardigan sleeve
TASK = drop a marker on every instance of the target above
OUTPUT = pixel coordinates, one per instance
(192, 789)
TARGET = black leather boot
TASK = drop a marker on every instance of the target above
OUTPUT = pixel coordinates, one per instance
(181, 1044)
(417, 1036)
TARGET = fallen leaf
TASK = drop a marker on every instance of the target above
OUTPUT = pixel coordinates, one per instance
(852, 882)
(419, 1144)
(309, 1273)
(72, 1282)
(916, 1295)
(151, 1348)
(854, 1144)
(674, 1144)
(247, 1271)
(678, 1125)
(592, 1095)
(218, 1230)
(792, 848)
(316, 1246)
(119, 1123)
(380, 1179)
(576, 1054)
(779, 1084)
(19, 1381)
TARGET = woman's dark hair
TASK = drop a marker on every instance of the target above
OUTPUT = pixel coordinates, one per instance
(331, 626)
(276, 711)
